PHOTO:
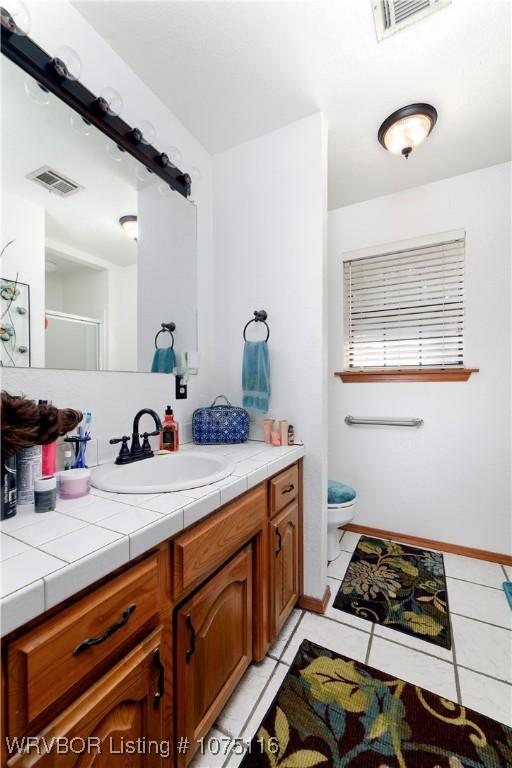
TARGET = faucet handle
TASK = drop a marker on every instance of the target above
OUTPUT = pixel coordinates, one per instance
(146, 447)
(124, 448)
(124, 439)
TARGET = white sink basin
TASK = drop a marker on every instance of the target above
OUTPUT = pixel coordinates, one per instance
(161, 474)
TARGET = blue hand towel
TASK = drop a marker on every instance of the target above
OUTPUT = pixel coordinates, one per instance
(256, 376)
(164, 360)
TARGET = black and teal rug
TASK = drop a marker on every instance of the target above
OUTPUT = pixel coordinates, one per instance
(400, 587)
(334, 712)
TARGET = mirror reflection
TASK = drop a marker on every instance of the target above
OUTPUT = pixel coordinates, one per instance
(99, 256)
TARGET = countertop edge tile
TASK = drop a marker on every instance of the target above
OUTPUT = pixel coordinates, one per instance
(22, 606)
(155, 533)
(83, 572)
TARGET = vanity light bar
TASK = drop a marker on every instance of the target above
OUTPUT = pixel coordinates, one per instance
(24, 52)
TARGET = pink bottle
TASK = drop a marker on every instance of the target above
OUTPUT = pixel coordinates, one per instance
(49, 459)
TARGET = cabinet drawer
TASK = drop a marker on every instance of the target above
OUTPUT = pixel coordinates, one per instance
(76, 645)
(284, 489)
(202, 549)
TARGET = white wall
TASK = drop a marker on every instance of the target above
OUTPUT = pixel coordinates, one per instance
(115, 397)
(449, 480)
(24, 223)
(270, 217)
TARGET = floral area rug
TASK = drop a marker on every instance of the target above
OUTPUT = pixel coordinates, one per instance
(400, 587)
(334, 712)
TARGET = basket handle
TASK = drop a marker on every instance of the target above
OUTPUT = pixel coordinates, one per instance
(219, 396)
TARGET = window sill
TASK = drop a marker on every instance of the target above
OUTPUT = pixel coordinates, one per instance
(405, 374)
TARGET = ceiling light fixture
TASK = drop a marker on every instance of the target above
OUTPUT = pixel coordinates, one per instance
(406, 128)
(130, 225)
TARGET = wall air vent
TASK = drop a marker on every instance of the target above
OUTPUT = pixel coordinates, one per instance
(394, 15)
(54, 181)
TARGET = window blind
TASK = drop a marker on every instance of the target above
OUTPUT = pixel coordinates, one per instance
(406, 308)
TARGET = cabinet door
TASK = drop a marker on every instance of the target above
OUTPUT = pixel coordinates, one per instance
(123, 706)
(213, 648)
(284, 563)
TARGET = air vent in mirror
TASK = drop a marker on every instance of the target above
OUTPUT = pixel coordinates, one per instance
(54, 181)
(393, 15)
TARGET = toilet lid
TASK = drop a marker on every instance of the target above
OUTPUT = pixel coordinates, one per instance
(339, 493)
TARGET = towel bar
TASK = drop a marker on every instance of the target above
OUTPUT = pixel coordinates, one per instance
(351, 420)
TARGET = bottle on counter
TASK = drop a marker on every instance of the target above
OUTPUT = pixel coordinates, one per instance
(48, 453)
(170, 435)
(29, 466)
(9, 493)
(45, 493)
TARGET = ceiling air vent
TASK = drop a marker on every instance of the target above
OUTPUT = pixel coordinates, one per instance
(54, 181)
(393, 15)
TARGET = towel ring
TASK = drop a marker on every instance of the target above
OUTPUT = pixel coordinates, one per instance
(166, 328)
(260, 316)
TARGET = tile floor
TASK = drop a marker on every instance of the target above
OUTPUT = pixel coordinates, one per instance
(477, 671)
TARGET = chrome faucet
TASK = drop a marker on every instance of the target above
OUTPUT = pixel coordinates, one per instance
(137, 452)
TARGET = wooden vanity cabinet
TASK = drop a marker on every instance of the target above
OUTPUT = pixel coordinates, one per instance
(284, 565)
(123, 706)
(213, 648)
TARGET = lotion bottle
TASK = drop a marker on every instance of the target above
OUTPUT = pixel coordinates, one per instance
(170, 436)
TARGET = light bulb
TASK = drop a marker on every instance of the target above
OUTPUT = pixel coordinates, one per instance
(113, 99)
(174, 155)
(36, 93)
(407, 132)
(195, 174)
(71, 60)
(148, 131)
(80, 125)
(114, 152)
(164, 189)
(16, 18)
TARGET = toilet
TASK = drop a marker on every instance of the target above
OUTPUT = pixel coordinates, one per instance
(341, 500)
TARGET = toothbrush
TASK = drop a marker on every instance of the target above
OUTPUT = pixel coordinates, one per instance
(83, 432)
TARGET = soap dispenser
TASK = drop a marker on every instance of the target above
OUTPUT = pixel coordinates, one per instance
(170, 435)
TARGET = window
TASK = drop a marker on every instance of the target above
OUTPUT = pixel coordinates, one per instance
(405, 309)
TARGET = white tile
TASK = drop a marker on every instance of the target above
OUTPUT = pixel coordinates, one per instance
(349, 541)
(337, 637)
(337, 568)
(89, 508)
(198, 493)
(483, 647)
(479, 602)
(155, 533)
(239, 707)
(132, 499)
(167, 503)
(199, 508)
(508, 571)
(255, 472)
(130, 520)
(470, 569)
(346, 618)
(281, 462)
(266, 700)
(246, 451)
(10, 546)
(279, 644)
(414, 667)
(23, 569)
(21, 606)
(48, 526)
(80, 574)
(212, 751)
(80, 543)
(24, 516)
(487, 696)
(231, 487)
(414, 642)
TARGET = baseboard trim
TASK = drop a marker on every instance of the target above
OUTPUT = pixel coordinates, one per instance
(315, 604)
(456, 549)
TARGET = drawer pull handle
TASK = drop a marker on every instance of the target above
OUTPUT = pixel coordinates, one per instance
(161, 679)
(288, 488)
(278, 535)
(85, 644)
(192, 648)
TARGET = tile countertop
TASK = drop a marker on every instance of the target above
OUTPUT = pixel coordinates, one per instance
(46, 558)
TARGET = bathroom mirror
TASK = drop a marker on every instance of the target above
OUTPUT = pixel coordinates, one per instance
(103, 253)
